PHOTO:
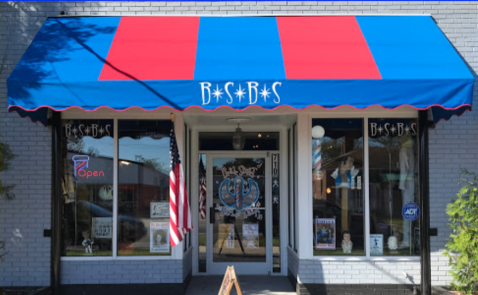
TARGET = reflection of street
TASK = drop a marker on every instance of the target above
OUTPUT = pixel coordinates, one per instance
(143, 242)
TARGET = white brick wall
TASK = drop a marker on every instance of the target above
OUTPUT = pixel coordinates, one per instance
(121, 272)
(452, 144)
(187, 263)
(292, 263)
(358, 272)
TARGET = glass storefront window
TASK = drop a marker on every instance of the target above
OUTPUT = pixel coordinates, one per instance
(143, 187)
(87, 187)
(239, 200)
(202, 222)
(338, 194)
(393, 187)
(253, 141)
(276, 255)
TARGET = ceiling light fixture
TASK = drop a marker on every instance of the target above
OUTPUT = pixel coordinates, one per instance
(238, 138)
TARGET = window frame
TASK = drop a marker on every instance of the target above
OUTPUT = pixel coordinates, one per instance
(405, 113)
(176, 252)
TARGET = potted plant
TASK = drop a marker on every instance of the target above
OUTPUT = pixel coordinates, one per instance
(462, 246)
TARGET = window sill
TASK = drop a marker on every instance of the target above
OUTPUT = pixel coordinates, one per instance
(374, 258)
(103, 258)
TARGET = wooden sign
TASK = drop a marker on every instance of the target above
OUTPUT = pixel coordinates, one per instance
(230, 278)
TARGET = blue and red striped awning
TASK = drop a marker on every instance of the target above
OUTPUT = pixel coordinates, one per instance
(240, 62)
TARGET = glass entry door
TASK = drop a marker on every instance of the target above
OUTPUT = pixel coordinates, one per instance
(239, 231)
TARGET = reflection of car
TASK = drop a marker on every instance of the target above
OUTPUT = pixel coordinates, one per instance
(133, 228)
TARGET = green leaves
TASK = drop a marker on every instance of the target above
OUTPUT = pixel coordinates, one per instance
(463, 221)
(6, 156)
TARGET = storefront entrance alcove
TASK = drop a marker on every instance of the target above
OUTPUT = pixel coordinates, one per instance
(237, 193)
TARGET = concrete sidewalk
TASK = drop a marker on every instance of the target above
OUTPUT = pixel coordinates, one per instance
(250, 285)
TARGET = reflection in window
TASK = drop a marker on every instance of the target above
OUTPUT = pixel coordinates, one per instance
(239, 230)
(393, 186)
(202, 222)
(87, 187)
(254, 141)
(337, 177)
(276, 255)
(143, 193)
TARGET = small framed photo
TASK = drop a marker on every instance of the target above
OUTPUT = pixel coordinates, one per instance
(325, 233)
(159, 237)
(376, 244)
(159, 209)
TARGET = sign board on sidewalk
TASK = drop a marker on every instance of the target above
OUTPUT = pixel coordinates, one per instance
(230, 278)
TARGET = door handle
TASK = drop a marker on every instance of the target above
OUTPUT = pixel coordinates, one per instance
(212, 215)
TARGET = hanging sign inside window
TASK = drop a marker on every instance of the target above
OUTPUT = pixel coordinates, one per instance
(80, 164)
(250, 235)
(392, 127)
(226, 235)
(102, 227)
(410, 211)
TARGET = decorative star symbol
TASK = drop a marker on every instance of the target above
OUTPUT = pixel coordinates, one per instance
(87, 130)
(240, 93)
(101, 130)
(393, 129)
(380, 129)
(407, 129)
(217, 93)
(75, 131)
(203, 180)
(265, 93)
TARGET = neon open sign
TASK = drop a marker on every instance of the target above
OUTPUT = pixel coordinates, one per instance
(80, 163)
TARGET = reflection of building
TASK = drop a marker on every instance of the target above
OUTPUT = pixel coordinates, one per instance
(90, 196)
(295, 73)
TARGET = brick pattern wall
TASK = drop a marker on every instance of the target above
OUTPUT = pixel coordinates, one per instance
(121, 272)
(358, 272)
(292, 263)
(452, 144)
(187, 263)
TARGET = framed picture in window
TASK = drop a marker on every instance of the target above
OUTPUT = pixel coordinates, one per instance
(325, 233)
(159, 209)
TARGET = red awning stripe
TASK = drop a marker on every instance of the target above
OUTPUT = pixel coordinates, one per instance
(325, 47)
(153, 48)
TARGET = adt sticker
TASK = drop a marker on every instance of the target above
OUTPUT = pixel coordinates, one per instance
(411, 211)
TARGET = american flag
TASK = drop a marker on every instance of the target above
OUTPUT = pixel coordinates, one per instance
(179, 213)
(202, 190)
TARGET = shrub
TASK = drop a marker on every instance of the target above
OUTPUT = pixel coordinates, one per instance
(462, 246)
(6, 156)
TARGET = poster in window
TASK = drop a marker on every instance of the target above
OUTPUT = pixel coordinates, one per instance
(159, 237)
(226, 235)
(376, 244)
(250, 235)
(102, 227)
(325, 233)
(159, 209)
